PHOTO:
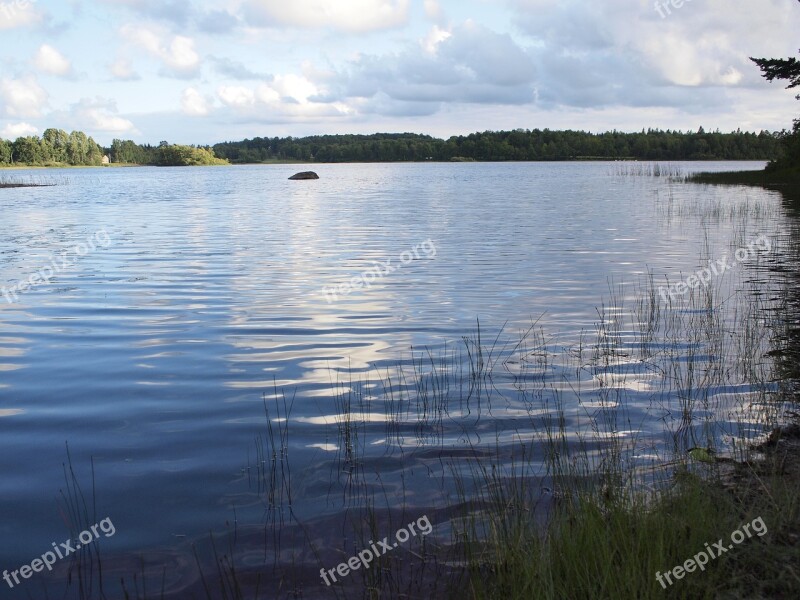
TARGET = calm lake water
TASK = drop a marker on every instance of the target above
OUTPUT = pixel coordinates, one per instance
(152, 353)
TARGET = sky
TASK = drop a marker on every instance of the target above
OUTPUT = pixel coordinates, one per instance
(200, 72)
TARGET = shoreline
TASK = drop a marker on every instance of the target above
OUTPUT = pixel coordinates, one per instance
(767, 178)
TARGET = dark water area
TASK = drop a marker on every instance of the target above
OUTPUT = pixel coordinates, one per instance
(225, 351)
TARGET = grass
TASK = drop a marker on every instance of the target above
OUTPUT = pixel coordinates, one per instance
(647, 169)
(16, 182)
(768, 178)
(599, 547)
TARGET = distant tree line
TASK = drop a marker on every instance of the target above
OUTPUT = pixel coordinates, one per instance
(517, 145)
(55, 147)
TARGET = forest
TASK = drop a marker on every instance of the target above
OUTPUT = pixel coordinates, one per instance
(517, 145)
(56, 148)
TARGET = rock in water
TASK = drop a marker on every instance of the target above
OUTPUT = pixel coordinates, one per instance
(305, 175)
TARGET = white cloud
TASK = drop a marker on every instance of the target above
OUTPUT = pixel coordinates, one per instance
(435, 37)
(18, 13)
(287, 97)
(294, 87)
(14, 130)
(613, 53)
(181, 55)
(23, 98)
(177, 53)
(357, 16)
(98, 115)
(236, 96)
(194, 104)
(267, 94)
(51, 61)
(122, 69)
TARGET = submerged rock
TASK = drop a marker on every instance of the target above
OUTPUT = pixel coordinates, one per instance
(305, 175)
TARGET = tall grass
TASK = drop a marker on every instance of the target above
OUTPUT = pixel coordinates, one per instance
(648, 169)
(19, 182)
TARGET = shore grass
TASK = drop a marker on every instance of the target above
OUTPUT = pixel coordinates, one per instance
(612, 546)
(18, 182)
(768, 178)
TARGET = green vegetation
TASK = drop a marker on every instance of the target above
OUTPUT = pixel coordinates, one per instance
(54, 148)
(613, 548)
(518, 145)
(769, 178)
(163, 155)
(174, 155)
(131, 153)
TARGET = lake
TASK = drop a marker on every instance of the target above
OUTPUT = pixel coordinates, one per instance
(179, 315)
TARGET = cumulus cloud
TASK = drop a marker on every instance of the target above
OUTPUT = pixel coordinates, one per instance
(355, 16)
(13, 131)
(176, 53)
(284, 98)
(616, 53)
(293, 88)
(98, 115)
(51, 61)
(236, 96)
(435, 37)
(287, 89)
(468, 64)
(194, 104)
(23, 98)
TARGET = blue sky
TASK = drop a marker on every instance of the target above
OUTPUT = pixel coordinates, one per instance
(195, 71)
